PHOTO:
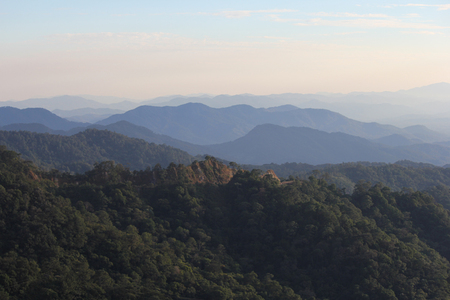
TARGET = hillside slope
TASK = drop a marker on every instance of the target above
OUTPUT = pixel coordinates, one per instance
(79, 152)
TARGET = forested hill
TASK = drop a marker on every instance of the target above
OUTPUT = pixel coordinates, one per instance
(79, 152)
(164, 234)
(397, 176)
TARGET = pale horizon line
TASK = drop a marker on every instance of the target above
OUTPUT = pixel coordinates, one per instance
(212, 95)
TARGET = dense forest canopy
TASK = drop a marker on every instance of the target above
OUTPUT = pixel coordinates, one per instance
(206, 231)
(399, 175)
(78, 153)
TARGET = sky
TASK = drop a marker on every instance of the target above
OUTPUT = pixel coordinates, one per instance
(146, 49)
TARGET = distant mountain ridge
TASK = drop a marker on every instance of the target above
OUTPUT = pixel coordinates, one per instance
(418, 153)
(89, 115)
(270, 143)
(264, 144)
(11, 115)
(251, 135)
(430, 104)
(396, 140)
(200, 124)
(67, 102)
(437, 92)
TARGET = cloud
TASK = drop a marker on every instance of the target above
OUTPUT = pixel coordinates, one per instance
(368, 23)
(349, 33)
(347, 19)
(122, 15)
(247, 13)
(413, 15)
(439, 6)
(277, 37)
(423, 32)
(348, 15)
(276, 18)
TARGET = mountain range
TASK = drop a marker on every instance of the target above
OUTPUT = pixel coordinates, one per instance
(264, 144)
(298, 144)
(363, 106)
(200, 124)
(242, 133)
(270, 143)
(68, 102)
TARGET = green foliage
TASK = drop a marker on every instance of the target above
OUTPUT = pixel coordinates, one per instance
(191, 233)
(417, 176)
(79, 153)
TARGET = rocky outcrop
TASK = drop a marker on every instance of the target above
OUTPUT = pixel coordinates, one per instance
(208, 171)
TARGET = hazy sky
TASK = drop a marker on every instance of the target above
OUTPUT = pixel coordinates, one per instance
(144, 49)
